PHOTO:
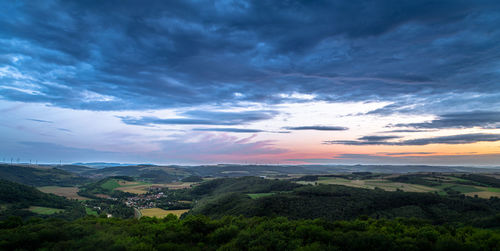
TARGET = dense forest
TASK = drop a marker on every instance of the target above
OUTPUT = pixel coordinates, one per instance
(240, 233)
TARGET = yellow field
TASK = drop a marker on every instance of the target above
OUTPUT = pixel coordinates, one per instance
(160, 213)
(68, 192)
(484, 194)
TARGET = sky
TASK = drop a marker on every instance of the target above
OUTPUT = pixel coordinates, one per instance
(250, 82)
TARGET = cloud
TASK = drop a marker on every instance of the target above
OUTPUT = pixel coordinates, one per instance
(64, 130)
(317, 128)
(204, 118)
(408, 153)
(236, 130)
(452, 140)
(377, 138)
(484, 119)
(41, 121)
(179, 54)
(405, 130)
(216, 148)
(53, 153)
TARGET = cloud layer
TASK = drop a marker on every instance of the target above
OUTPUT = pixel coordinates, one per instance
(204, 118)
(131, 56)
(452, 140)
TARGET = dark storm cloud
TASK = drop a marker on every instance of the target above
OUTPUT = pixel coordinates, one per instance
(484, 119)
(452, 140)
(205, 118)
(129, 55)
(317, 128)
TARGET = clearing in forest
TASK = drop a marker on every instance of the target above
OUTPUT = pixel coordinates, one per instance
(160, 213)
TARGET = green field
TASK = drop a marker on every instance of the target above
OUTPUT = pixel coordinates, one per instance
(90, 211)
(110, 184)
(493, 189)
(258, 195)
(45, 210)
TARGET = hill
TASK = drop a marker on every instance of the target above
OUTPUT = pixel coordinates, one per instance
(39, 176)
(152, 173)
(18, 199)
(232, 170)
(75, 169)
(251, 197)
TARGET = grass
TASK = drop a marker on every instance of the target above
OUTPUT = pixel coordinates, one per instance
(465, 189)
(90, 211)
(259, 195)
(68, 192)
(110, 184)
(493, 189)
(160, 213)
(45, 210)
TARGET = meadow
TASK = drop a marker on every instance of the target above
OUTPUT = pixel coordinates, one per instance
(161, 213)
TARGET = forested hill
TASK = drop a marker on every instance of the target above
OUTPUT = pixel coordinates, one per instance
(253, 196)
(16, 199)
(243, 185)
(39, 176)
(239, 233)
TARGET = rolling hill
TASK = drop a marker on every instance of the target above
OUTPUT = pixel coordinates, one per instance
(40, 175)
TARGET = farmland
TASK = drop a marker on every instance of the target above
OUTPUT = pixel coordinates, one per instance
(160, 213)
(45, 210)
(441, 184)
(143, 187)
(68, 192)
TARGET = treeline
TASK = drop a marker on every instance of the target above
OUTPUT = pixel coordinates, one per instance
(239, 233)
(482, 179)
(437, 179)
